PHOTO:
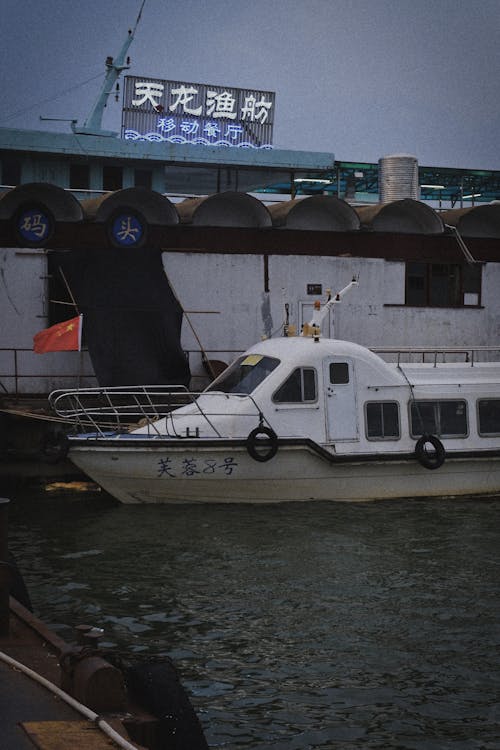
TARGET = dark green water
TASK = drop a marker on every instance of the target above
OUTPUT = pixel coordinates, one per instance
(295, 626)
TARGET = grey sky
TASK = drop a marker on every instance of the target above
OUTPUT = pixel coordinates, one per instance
(360, 78)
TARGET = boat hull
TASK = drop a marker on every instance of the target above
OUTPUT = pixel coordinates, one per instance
(177, 472)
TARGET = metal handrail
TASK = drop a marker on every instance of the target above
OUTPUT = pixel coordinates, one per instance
(18, 376)
(116, 403)
(119, 408)
(468, 352)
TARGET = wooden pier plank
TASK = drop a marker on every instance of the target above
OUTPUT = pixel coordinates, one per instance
(62, 735)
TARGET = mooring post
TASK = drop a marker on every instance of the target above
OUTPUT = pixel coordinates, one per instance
(4, 567)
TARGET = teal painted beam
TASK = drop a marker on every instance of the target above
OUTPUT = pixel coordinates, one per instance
(95, 146)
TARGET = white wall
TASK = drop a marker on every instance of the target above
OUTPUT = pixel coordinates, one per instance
(23, 312)
(372, 313)
(225, 300)
(223, 297)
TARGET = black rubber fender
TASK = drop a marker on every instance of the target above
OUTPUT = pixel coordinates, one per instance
(157, 688)
(54, 448)
(266, 450)
(433, 459)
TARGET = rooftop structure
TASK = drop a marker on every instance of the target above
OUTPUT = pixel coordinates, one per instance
(91, 160)
(91, 164)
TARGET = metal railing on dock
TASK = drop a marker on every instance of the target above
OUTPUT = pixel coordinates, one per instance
(23, 373)
(17, 369)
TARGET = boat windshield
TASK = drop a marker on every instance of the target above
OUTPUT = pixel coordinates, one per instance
(245, 374)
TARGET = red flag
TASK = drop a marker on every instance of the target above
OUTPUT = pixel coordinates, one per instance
(63, 337)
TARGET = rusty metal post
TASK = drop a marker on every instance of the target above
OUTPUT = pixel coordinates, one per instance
(4, 567)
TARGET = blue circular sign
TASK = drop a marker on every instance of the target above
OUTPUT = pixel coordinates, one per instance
(34, 226)
(127, 230)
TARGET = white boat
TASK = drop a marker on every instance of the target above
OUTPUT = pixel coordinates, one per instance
(298, 418)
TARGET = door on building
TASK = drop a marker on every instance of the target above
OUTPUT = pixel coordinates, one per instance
(340, 395)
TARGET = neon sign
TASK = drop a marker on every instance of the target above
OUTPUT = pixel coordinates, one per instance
(199, 114)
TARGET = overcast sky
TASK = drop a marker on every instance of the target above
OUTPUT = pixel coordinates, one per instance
(359, 78)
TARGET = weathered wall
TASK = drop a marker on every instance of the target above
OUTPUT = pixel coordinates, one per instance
(234, 300)
(231, 309)
(23, 312)
(223, 296)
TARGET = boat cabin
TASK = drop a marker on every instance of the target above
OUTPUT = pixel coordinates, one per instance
(345, 398)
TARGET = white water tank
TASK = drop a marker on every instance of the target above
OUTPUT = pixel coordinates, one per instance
(398, 178)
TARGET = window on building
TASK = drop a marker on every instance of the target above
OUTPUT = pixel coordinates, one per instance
(79, 176)
(112, 178)
(143, 178)
(299, 387)
(441, 418)
(382, 420)
(339, 373)
(11, 170)
(443, 284)
(489, 416)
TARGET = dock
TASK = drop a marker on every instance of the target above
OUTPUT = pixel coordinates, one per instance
(56, 695)
(34, 710)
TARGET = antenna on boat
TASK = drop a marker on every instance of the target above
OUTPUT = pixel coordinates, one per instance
(314, 327)
(93, 123)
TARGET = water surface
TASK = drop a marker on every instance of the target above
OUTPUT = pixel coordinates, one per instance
(296, 626)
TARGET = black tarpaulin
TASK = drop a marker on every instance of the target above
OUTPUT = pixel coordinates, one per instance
(131, 318)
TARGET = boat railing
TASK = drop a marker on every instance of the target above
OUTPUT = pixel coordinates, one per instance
(440, 355)
(117, 407)
(122, 408)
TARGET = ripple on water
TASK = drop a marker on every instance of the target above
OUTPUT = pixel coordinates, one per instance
(324, 626)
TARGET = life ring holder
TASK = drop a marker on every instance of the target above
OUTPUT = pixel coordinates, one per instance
(431, 460)
(253, 440)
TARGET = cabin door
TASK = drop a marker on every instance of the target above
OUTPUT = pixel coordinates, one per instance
(340, 399)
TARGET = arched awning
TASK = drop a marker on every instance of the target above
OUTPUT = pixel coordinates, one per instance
(476, 221)
(406, 216)
(154, 207)
(229, 209)
(317, 212)
(62, 205)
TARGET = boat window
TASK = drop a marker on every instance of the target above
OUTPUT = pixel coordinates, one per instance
(245, 374)
(441, 418)
(489, 416)
(299, 387)
(382, 420)
(339, 373)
